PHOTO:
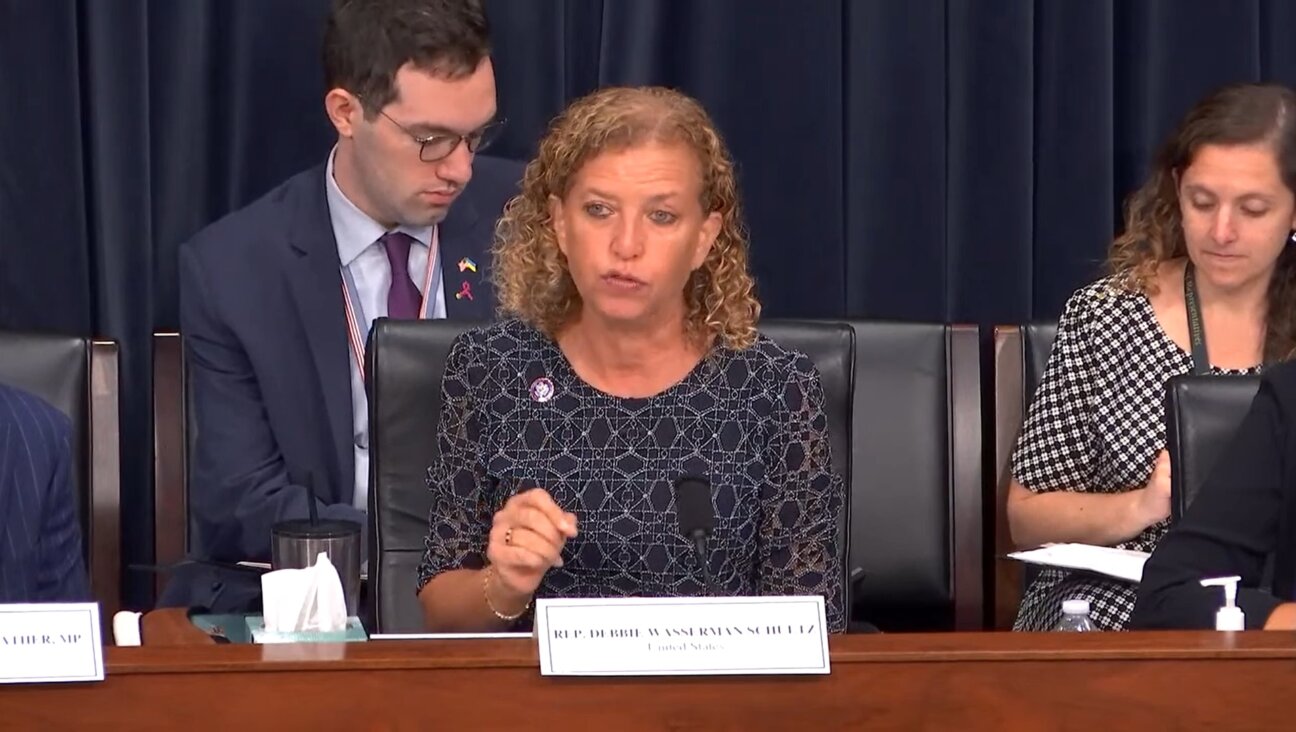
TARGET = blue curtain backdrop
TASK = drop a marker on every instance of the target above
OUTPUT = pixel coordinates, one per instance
(957, 160)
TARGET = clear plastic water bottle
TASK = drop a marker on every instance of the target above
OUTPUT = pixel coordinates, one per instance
(1075, 617)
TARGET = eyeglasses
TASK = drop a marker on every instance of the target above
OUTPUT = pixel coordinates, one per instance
(439, 146)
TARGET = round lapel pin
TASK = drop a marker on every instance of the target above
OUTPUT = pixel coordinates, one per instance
(542, 390)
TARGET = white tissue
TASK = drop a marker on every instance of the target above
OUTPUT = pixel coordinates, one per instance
(309, 599)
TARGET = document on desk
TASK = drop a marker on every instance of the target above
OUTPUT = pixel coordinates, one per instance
(1125, 564)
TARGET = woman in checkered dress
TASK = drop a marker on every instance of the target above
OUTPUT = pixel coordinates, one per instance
(1090, 465)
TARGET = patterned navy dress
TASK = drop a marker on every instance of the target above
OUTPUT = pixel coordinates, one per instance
(516, 416)
(1095, 426)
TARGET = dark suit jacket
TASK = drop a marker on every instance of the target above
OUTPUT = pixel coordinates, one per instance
(40, 537)
(262, 315)
(1243, 514)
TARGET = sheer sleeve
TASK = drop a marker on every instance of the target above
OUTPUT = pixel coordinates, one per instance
(461, 511)
(802, 500)
(1054, 450)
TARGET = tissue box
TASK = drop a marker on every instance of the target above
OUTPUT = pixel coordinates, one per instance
(353, 631)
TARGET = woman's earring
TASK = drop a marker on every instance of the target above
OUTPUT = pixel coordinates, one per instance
(1291, 238)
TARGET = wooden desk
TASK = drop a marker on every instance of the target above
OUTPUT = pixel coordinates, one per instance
(171, 627)
(991, 681)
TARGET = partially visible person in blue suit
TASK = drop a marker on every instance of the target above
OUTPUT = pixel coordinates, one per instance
(277, 299)
(40, 537)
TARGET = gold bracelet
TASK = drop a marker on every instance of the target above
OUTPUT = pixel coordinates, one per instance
(490, 570)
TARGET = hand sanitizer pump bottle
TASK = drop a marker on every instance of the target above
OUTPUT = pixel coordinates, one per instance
(1230, 616)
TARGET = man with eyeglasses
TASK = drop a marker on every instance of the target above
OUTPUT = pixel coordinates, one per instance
(277, 299)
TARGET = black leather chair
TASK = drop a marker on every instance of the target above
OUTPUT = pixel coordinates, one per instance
(1202, 414)
(916, 479)
(1038, 340)
(78, 376)
(404, 363)
(904, 410)
(902, 511)
(1021, 353)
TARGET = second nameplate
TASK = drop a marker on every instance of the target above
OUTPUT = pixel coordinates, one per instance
(682, 636)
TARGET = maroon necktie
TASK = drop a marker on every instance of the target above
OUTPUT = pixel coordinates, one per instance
(403, 299)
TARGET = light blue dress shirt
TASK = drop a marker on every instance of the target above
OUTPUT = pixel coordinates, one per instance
(363, 257)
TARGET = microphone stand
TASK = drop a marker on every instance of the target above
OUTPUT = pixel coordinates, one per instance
(699, 546)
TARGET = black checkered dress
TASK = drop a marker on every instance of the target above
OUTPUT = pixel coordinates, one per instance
(1096, 425)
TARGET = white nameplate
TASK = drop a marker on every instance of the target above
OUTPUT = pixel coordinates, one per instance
(50, 642)
(682, 636)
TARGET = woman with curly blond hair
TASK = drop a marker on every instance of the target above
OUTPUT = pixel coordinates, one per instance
(629, 359)
(1203, 280)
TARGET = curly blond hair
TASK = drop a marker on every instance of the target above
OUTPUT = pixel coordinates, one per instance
(1239, 114)
(530, 273)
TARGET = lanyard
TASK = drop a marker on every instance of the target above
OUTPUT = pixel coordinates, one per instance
(355, 314)
(1196, 330)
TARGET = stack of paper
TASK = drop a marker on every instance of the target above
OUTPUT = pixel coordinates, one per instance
(1126, 564)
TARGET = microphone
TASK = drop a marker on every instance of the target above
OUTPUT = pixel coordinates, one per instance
(696, 514)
